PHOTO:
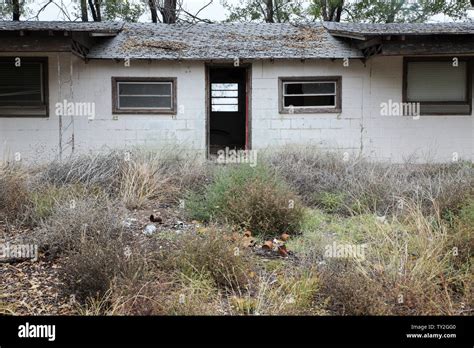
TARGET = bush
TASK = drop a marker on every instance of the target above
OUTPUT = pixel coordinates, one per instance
(215, 254)
(134, 176)
(14, 193)
(71, 225)
(372, 187)
(331, 202)
(253, 198)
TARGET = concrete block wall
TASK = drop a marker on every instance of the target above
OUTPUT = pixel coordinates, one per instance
(341, 131)
(359, 128)
(72, 79)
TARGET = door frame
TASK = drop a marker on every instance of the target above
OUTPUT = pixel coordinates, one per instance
(248, 102)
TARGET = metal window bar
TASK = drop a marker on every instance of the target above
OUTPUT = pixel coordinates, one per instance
(145, 95)
(309, 94)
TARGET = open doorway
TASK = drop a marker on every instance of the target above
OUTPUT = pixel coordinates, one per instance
(228, 109)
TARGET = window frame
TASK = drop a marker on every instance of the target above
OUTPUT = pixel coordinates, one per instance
(440, 111)
(42, 108)
(137, 111)
(310, 109)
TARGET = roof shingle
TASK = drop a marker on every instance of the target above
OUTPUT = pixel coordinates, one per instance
(204, 41)
(369, 29)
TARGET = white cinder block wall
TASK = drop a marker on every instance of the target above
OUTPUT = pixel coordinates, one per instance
(359, 128)
(38, 139)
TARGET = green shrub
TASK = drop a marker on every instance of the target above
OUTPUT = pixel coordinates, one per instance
(253, 198)
(331, 202)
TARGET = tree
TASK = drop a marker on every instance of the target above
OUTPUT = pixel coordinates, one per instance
(16, 10)
(84, 14)
(167, 8)
(405, 11)
(326, 10)
(269, 11)
(169, 11)
(12, 9)
(110, 10)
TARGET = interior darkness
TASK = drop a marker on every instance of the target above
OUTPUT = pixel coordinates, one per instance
(227, 128)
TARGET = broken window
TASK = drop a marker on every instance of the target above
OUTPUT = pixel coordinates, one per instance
(225, 97)
(441, 87)
(150, 95)
(308, 95)
(23, 87)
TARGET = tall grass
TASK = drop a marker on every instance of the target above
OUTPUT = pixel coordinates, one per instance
(327, 181)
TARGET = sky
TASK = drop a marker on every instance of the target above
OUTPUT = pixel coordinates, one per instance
(215, 11)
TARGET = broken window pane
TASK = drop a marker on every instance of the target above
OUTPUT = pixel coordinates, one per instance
(224, 97)
(225, 93)
(310, 94)
(224, 86)
(228, 101)
(310, 88)
(225, 108)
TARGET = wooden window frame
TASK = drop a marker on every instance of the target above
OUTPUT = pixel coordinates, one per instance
(468, 97)
(152, 111)
(43, 107)
(310, 110)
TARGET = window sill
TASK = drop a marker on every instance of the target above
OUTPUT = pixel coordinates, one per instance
(310, 111)
(446, 109)
(24, 111)
(143, 112)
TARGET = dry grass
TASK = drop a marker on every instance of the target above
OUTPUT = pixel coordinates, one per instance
(418, 258)
(327, 181)
(409, 269)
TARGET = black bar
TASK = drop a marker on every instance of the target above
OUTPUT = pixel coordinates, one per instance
(242, 330)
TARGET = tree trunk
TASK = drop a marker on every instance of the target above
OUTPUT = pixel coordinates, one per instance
(269, 11)
(97, 10)
(154, 13)
(168, 11)
(16, 10)
(331, 10)
(92, 7)
(84, 16)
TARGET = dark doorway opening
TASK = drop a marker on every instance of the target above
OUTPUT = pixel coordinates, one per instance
(228, 114)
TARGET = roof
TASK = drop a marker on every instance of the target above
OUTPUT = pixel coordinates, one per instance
(98, 27)
(376, 29)
(224, 41)
(205, 41)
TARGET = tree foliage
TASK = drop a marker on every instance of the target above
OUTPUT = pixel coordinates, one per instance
(326, 10)
(12, 9)
(371, 11)
(270, 11)
(405, 11)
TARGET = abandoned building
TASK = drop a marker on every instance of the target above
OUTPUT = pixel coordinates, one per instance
(385, 91)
